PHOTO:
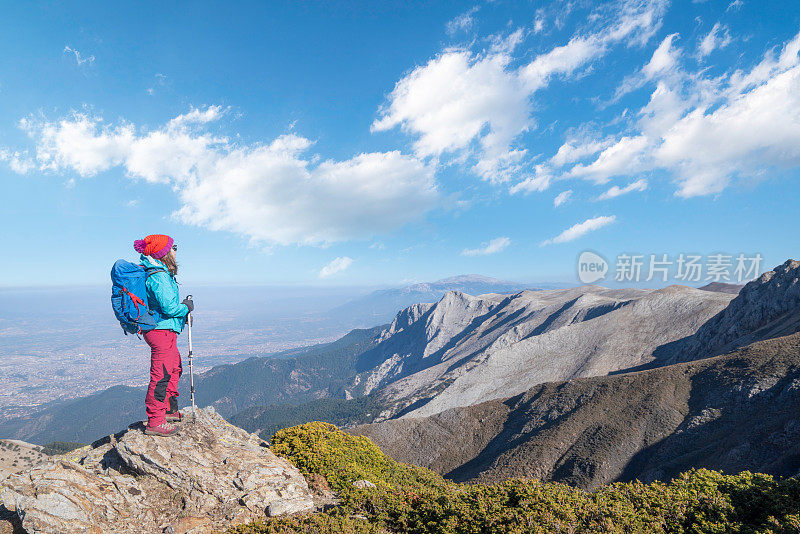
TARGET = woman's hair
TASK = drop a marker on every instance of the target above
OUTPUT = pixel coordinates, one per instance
(169, 261)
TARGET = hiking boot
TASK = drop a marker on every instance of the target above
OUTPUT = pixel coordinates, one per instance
(175, 417)
(161, 430)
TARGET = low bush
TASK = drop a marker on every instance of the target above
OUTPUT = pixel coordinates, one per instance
(60, 447)
(410, 499)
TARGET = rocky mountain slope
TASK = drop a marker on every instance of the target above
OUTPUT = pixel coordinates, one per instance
(767, 307)
(210, 475)
(731, 413)
(464, 350)
(16, 455)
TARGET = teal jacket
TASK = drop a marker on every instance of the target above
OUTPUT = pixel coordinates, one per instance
(162, 296)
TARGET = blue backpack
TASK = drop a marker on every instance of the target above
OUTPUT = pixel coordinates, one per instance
(129, 297)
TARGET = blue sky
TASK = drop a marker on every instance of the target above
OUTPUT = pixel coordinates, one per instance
(378, 143)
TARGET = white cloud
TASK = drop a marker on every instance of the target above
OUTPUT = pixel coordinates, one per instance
(622, 157)
(663, 59)
(718, 37)
(580, 229)
(538, 181)
(335, 266)
(492, 247)
(270, 192)
(574, 150)
(662, 64)
(79, 58)
(736, 4)
(562, 197)
(707, 131)
(456, 99)
(615, 191)
(18, 162)
(197, 116)
(463, 22)
(475, 106)
(538, 23)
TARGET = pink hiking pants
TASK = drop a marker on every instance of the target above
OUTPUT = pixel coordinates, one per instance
(165, 370)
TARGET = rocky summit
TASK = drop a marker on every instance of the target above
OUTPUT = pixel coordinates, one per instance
(207, 476)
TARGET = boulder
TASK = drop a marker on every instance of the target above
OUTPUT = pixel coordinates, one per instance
(207, 476)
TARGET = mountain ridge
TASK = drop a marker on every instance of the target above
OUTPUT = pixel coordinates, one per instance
(382, 305)
(463, 347)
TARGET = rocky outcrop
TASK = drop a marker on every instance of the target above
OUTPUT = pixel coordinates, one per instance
(405, 318)
(766, 307)
(207, 476)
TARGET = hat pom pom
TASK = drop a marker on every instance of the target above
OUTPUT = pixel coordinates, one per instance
(139, 245)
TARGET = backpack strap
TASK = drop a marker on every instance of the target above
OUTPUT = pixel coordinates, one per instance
(148, 272)
(152, 270)
(136, 301)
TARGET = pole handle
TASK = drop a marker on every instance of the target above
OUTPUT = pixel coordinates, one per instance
(189, 315)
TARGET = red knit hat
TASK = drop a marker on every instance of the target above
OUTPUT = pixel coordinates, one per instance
(156, 245)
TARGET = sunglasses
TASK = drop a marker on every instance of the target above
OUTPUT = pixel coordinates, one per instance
(175, 248)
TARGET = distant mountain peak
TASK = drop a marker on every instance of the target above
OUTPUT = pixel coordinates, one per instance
(383, 305)
(722, 287)
(471, 279)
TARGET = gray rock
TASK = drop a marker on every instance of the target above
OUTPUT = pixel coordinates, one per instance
(208, 475)
(60, 496)
(363, 484)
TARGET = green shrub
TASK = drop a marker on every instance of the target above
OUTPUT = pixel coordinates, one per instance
(310, 524)
(410, 499)
(342, 459)
(60, 447)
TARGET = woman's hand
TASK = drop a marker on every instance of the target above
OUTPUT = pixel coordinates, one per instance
(189, 304)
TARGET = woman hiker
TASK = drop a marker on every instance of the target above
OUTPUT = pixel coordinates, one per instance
(165, 362)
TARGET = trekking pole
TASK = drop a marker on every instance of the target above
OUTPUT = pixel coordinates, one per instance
(191, 371)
